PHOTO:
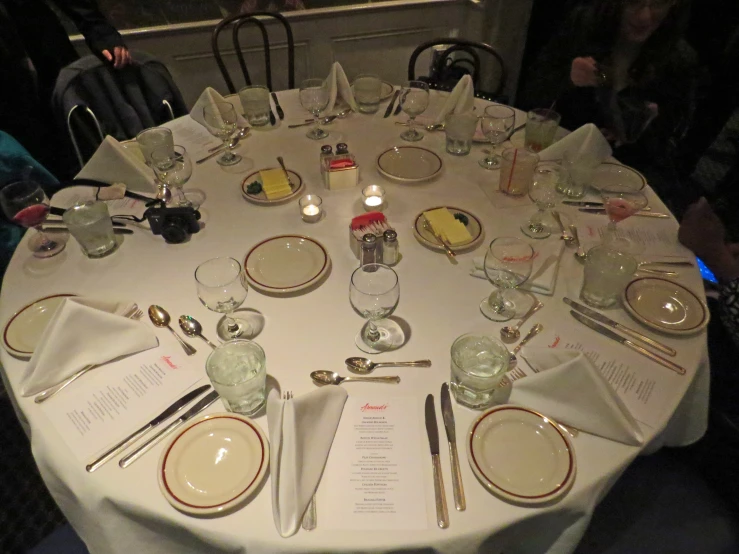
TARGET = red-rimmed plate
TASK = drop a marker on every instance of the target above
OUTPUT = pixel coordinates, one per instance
(520, 455)
(470, 221)
(286, 264)
(23, 331)
(409, 164)
(297, 185)
(214, 464)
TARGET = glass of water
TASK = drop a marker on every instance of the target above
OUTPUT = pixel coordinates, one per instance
(374, 292)
(508, 264)
(89, 223)
(479, 364)
(255, 102)
(238, 372)
(607, 272)
(367, 92)
(414, 99)
(222, 288)
(497, 126)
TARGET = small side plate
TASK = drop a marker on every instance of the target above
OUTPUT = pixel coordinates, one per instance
(474, 226)
(23, 331)
(297, 187)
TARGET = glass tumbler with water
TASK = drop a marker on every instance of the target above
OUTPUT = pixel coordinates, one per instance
(607, 272)
(479, 363)
(367, 92)
(90, 224)
(238, 372)
(255, 102)
(460, 128)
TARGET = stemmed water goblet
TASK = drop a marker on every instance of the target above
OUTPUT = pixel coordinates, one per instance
(508, 264)
(152, 139)
(496, 124)
(621, 202)
(173, 168)
(26, 204)
(414, 99)
(222, 121)
(222, 288)
(314, 97)
(374, 292)
(544, 192)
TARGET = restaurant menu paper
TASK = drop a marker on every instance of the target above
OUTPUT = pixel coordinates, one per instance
(110, 402)
(373, 478)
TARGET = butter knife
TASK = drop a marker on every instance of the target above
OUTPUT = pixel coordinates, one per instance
(442, 515)
(389, 109)
(447, 247)
(206, 401)
(592, 314)
(605, 331)
(175, 407)
(280, 113)
(451, 435)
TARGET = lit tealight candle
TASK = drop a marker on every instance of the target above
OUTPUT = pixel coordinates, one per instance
(310, 208)
(373, 198)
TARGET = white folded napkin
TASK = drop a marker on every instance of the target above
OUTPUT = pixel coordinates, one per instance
(113, 158)
(543, 279)
(584, 141)
(83, 331)
(571, 390)
(210, 96)
(460, 100)
(300, 434)
(339, 87)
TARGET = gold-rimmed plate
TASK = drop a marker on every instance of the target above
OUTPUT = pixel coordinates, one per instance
(617, 176)
(409, 164)
(427, 238)
(296, 185)
(23, 330)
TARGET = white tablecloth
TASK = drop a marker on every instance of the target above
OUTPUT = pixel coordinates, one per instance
(122, 511)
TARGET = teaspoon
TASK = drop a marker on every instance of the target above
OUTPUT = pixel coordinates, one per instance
(363, 366)
(332, 378)
(230, 146)
(580, 252)
(511, 334)
(160, 318)
(192, 328)
(535, 330)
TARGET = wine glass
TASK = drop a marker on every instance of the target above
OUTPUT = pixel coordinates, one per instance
(26, 204)
(508, 264)
(314, 97)
(496, 125)
(222, 288)
(154, 139)
(621, 202)
(374, 293)
(221, 120)
(544, 192)
(414, 99)
(173, 168)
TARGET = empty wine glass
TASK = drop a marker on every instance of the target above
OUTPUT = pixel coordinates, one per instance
(222, 121)
(621, 202)
(26, 204)
(496, 125)
(544, 192)
(173, 168)
(374, 292)
(508, 264)
(414, 99)
(152, 139)
(222, 288)
(314, 97)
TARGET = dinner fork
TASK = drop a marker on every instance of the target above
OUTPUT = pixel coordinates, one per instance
(134, 312)
(309, 518)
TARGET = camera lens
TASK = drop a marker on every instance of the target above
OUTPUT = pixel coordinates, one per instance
(174, 231)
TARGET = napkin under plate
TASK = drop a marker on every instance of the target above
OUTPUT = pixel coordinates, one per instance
(210, 96)
(339, 88)
(583, 141)
(113, 160)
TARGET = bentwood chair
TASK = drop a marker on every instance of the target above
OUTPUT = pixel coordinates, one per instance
(254, 18)
(462, 57)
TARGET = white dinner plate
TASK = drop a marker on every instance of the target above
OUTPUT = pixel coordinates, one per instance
(214, 464)
(608, 175)
(665, 306)
(296, 184)
(287, 263)
(474, 227)
(520, 455)
(409, 164)
(23, 331)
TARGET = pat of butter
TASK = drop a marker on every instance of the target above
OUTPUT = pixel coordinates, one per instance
(273, 179)
(451, 230)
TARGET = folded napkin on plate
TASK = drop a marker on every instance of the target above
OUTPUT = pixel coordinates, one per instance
(83, 331)
(339, 87)
(543, 279)
(583, 141)
(112, 160)
(569, 389)
(460, 100)
(210, 96)
(300, 434)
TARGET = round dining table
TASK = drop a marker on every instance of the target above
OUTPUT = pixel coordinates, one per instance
(121, 511)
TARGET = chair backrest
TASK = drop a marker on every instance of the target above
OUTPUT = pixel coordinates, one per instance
(253, 18)
(92, 100)
(461, 57)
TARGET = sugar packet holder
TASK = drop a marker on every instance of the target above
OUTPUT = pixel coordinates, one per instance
(340, 171)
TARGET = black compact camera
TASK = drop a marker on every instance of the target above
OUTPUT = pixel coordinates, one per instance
(174, 224)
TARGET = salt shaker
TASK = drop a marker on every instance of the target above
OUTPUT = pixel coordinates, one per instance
(390, 251)
(369, 251)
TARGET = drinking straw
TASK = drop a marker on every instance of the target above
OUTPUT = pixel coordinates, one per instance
(513, 167)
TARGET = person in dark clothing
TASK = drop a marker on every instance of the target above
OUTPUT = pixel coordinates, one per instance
(624, 66)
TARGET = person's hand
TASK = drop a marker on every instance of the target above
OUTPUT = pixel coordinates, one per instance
(585, 73)
(120, 57)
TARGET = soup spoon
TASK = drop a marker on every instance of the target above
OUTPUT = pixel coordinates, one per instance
(332, 378)
(512, 334)
(363, 366)
(160, 318)
(192, 328)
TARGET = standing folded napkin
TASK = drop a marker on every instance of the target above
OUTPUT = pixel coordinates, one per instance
(461, 99)
(569, 389)
(338, 86)
(543, 279)
(300, 434)
(83, 331)
(584, 141)
(112, 161)
(210, 96)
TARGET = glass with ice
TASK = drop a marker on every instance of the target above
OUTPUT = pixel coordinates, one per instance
(89, 223)
(238, 372)
(479, 363)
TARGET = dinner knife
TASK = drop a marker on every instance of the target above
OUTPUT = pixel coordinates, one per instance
(206, 401)
(272, 118)
(451, 435)
(592, 204)
(642, 213)
(389, 109)
(605, 331)
(592, 314)
(50, 226)
(280, 113)
(442, 516)
(175, 407)
(398, 107)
